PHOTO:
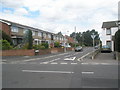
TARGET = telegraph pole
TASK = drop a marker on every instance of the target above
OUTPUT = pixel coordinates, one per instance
(75, 36)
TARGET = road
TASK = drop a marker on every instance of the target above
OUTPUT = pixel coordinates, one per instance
(61, 70)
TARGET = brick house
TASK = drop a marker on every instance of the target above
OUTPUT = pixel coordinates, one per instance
(17, 32)
(4, 26)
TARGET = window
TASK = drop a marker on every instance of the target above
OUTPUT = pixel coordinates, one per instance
(14, 29)
(49, 35)
(109, 43)
(25, 30)
(39, 34)
(44, 35)
(33, 33)
(108, 31)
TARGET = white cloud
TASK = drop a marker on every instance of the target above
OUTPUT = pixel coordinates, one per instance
(12, 3)
(21, 11)
(63, 15)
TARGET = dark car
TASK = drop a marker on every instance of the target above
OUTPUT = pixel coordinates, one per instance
(79, 48)
(106, 48)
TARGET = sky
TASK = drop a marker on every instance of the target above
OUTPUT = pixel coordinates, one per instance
(60, 15)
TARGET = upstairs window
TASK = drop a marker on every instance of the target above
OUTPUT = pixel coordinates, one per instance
(39, 34)
(25, 30)
(49, 35)
(44, 35)
(14, 29)
(108, 31)
(33, 33)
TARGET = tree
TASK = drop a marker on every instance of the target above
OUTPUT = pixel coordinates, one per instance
(85, 37)
(4, 36)
(28, 39)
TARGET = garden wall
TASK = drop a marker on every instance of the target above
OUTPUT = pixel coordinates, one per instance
(52, 50)
(32, 52)
(18, 52)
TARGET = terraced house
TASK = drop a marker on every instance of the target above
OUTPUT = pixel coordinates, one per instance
(17, 32)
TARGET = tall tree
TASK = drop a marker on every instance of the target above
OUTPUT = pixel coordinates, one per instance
(85, 37)
(28, 39)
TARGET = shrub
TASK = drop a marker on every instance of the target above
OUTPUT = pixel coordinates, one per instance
(42, 47)
(4, 36)
(25, 46)
(56, 44)
(37, 47)
(5, 45)
(45, 45)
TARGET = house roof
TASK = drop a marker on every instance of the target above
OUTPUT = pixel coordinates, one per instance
(23, 26)
(110, 24)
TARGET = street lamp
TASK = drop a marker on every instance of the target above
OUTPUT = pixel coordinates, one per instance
(93, 37)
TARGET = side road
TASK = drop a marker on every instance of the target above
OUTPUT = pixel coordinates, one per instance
(105, 58)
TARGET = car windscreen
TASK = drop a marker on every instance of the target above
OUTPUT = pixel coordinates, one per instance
(105, 47)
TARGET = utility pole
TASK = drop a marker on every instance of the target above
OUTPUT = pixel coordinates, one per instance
(75, 36)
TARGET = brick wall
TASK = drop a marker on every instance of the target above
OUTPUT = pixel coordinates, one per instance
(18, 52)
(44, 51)
(60, 49)
(69, 49)
(6, 28)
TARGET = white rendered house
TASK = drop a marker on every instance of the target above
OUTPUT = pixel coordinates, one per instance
(108, 32)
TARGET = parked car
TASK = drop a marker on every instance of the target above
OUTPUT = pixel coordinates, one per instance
(67, 46)
(106, 48)
(79, 48)
(97, 47)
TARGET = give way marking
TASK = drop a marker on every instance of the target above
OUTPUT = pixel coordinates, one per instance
(71, 58)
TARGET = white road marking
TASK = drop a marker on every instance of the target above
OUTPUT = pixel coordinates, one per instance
(84, 63)
(44, 63)
(87, 72)
(50, 61)
(44, 57)
(54, 63)
(81, 58)
(70, 58)
(35, 71)
(63, 63)
(54, 60)
(105, 63)
(73, 63)
(97, 63)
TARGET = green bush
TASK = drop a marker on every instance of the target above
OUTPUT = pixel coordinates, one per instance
(25, 46)
(45, 45)
(57, 44)
(42, 47)
(37, 47)
(5, 45)
(4, 36)
(117, 41)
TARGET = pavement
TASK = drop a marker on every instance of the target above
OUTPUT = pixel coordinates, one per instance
(62, 70)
